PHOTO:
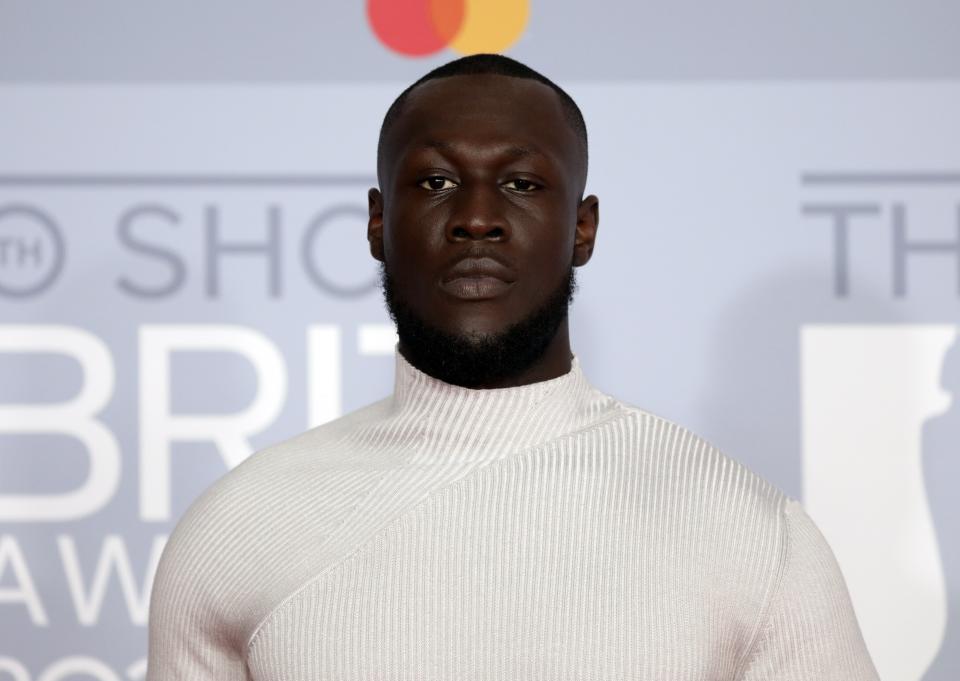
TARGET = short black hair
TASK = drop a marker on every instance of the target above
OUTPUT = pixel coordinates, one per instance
(487, 63)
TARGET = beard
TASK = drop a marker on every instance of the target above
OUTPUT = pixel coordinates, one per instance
(477, 359)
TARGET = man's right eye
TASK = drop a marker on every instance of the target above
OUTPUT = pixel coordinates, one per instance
(436, 182)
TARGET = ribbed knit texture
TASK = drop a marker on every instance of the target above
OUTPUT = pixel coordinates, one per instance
(546, 531)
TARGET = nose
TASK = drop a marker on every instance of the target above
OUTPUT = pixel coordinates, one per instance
(478, 214)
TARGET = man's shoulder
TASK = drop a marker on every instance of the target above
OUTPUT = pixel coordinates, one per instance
(718, 517)
(254, 497)
(697, 468)
(267, 471)
(265, 512)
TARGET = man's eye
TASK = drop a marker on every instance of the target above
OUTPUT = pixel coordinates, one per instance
(436, 182)
(523, 185)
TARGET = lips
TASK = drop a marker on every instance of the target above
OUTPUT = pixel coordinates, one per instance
(480, 267)
(477, 279)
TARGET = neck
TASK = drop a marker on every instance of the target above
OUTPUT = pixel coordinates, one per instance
(443, 422)
(554, 362)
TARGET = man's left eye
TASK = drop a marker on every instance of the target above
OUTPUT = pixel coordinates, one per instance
(523, 185)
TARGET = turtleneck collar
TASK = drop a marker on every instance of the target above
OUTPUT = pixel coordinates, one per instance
(450, 422)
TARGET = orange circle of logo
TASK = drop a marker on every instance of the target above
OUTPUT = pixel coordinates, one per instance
(420, 27)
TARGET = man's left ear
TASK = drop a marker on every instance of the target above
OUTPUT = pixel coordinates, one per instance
(588, 219)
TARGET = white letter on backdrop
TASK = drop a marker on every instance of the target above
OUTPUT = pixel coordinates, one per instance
(73, 417)
(25, 592)
(113, 558)
(78, 665)
(324, 378)
(159, 428)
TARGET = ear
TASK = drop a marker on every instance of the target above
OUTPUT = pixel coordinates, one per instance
(375, 223)
(588, 219)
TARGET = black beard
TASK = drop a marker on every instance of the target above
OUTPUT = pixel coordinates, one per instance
(477, 359)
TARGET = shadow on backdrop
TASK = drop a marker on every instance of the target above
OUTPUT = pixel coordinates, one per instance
(941, 468)
(750, 405)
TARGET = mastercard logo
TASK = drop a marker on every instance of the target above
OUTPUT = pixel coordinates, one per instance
(420, 27)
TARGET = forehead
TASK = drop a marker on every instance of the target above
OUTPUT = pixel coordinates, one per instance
(485, 110)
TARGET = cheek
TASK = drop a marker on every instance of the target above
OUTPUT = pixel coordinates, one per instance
(413, 228)
(413, 254)
(549, 253)
(550, 272)
(403, 243)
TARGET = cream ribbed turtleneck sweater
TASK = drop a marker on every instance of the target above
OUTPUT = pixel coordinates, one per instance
(546, 531)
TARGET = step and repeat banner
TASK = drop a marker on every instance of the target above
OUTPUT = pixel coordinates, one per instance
(184, 279)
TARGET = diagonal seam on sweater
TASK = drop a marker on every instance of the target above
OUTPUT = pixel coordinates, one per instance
(623, 412)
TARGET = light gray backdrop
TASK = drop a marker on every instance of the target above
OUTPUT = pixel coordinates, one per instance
(184, 275)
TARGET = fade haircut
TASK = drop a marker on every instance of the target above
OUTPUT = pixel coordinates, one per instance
(482, 64)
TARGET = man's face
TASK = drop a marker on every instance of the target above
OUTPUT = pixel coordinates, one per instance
(479, 220)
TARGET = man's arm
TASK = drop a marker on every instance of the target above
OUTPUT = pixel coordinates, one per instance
(811, 632)
(188, 636)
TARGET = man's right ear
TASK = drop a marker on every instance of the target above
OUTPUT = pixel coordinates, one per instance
(375, 223)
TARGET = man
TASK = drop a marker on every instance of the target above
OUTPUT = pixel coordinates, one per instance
(496, 517)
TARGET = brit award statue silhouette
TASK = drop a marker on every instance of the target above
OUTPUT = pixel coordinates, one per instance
(941, 470)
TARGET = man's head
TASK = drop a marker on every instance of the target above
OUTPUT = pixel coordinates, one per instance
(486, 64)
(480, 218)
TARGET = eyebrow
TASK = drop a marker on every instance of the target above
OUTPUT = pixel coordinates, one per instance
(517, 150)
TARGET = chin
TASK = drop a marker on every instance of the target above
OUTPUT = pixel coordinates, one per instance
(474, 327)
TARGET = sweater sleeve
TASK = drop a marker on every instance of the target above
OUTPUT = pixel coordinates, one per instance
(811, 632)
(188, 639)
